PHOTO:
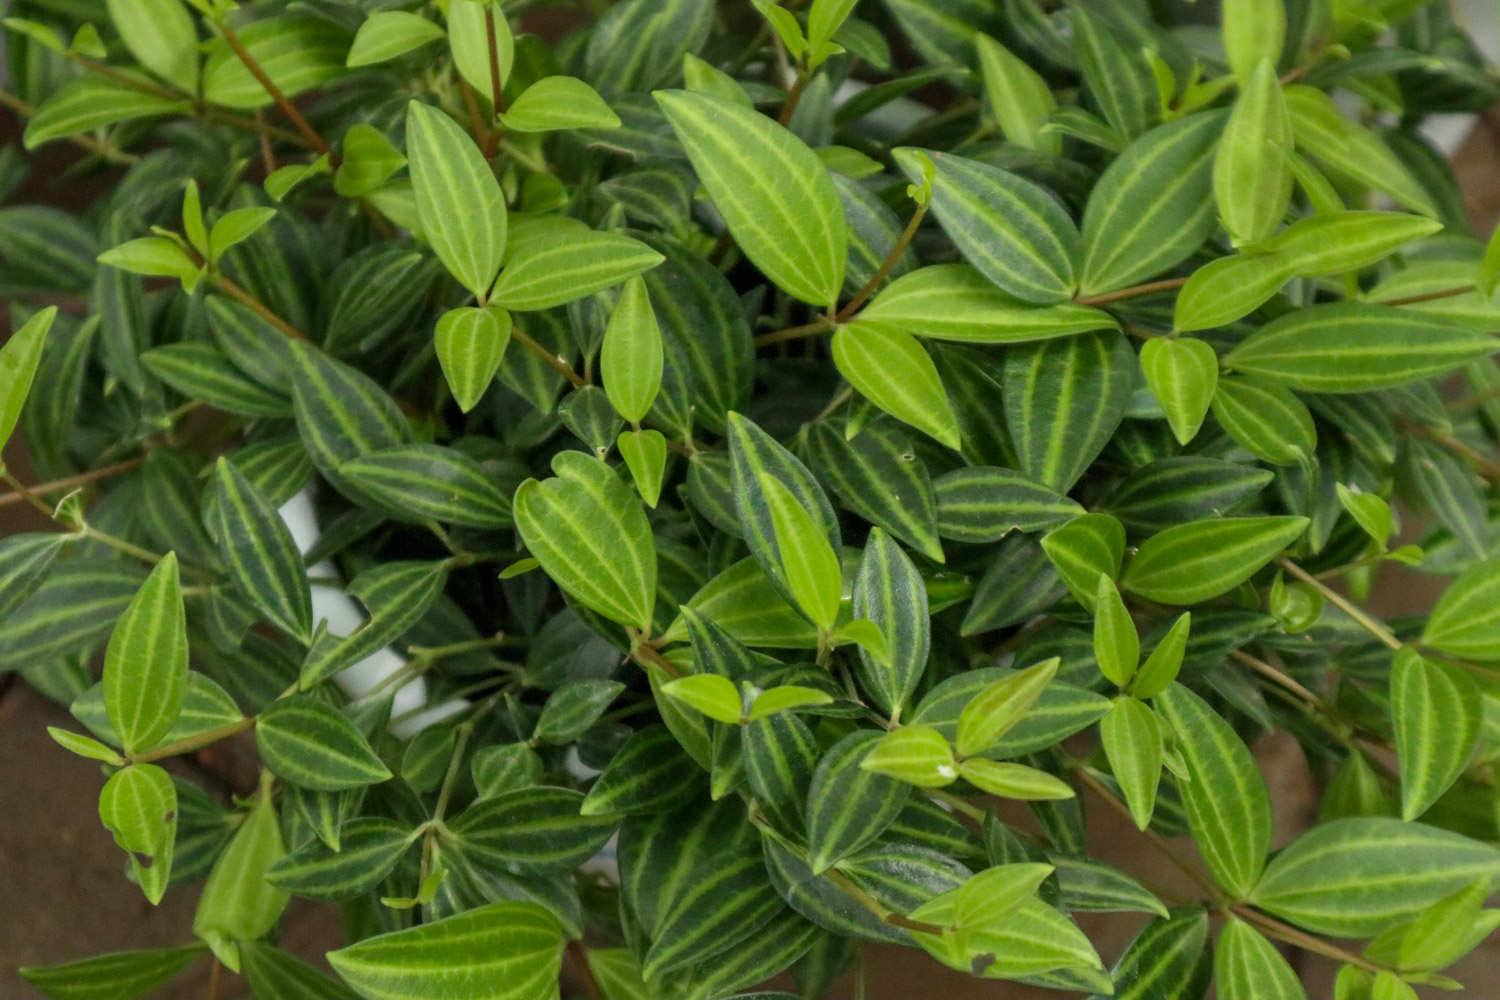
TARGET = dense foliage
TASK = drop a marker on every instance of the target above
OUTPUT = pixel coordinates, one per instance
(760, 438)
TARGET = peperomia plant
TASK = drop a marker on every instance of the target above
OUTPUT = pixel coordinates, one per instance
(760, 440)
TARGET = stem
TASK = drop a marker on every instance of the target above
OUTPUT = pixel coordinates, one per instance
(1134, 291)
(585, 974)
(23, 493)
(886, 915)
(1280, 679)
(892, 258)
(69, 482)
(460, 744)
(471, 106)
(1365, 621)
(89, 143)
(255, 305)
(556, 362)
(197, 741)
(309, 134)
(644, 653)
(121, 545)
(812, 329)
(1443, 293)
(497, 97)
(793, 98)
(1488, 466)
(1301, 939)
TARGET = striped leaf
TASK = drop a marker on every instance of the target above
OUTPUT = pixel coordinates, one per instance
(955, 302)
(201, 371)
(1060, 711)
(1115, 73)
(780, 755)
(1252, 32)
(425, 481)
(1151, 207)
(261, 556)
(1228, 807)
(273, 972)
(1183, 488)
(46, 248)
(1192, 562)
(1012, 231)
(1357, 877)
(1326, 134)
(238, 903)
(1182, 373)
(891, 593)
(1252, 174)
(1466, 619)
(503, 949)
(649, 774)
(26, 560)
(296, 51)
(1033, 939)
(590, 534)
(1248, 967)
(555, 103)
(560, 265)
(396, 595)
(889, 368)
(146, 662)
(617, 974)
(1265, 419)
(1132, 742)
(119, 975)
(538, 829)
(459, 203)
(1170, 957)
(917, 755)
(205, 706)
(984, 503)
(641, 43)
(368, 849)
(999, 705)
(848, 807)
(376, 292)
(313, 745)
(878, 475)
(1336, 242)
(1356, 347)
(496, 769)
(874, 230)
(470, 345)
(807, 566)
(1229, 288)
(631, 356)
(573, 708)
(341, 414)
(91, 102)
(386, 34)
(1020, 582)
(19, 358)
(1092, 886)
(744, 602)
(1063, 400)
(1087, 547)
(1436, 711)
(1018, 97)
(773, 192)
(74, 609)
(138, 805)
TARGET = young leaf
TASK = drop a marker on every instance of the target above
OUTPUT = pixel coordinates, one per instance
(1436, 710)
(1252, 176)
(120, 975)
(459, 203)
(19, 358)
(1085, 548)
(90, 102)
(1193, 562)
(999, 706)
(1336, 242)
(161, 35)
(238, 902)
(715, 696)
(562, 265)
(1248, 967)
(1253, 30)
(809, 566)
(890, 369)
(313, 745)
(645, 454)
(138, 805)
(774, 193)
(955, 302)
(386, 34)
(468, 40)
(554, 103)
(1350, 149)
(1017, 96)
(1182, 373)
(785, 698)
(1164, 663)
(917, 755)
(470, 345)
(631, 356)
(1132, 741)
(154, 256)
(146, 662)
(1117, 647)
(262, 558)
(1014, 781)
(1227, 289)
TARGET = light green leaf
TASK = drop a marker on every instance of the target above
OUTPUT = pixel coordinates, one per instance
(1252, 176)
(19, 358)
(84, 746)
(297, 51)
(1018, 97)
(468, 39)
(1324, 133)
(1227, 289)
(1117, 647)
(785, 698)
(715, 696)
(1336, 242)
(386, 34)
(1164, 663)
(645, 454)
(591, 536)
(1014, 781)
(1182, 373)
(747, 605)
(890, 369)
(1193, 562)
(555, 103)
(90, 102)
(1436, 710)
(1115, 73)
(138, 805)
(1252, 30)
(510, 949)
(917, 755)
(120, 975)
(154, 256)
(773, 192)
(809, 566)
(563, 264)
(999, 706)
(1132, 741)
(235, 227)
(706, 78)
(459, 203)
(1267, 420)
(161, 35)
(313, 745)
(631, 357)
(955, 302)
(238, 902)
(369, 161)
(1248, 967)
(1014, 232)
(146, 662)
(1228, 807)
(1085, 548)
(258, 549)
(1466, 619)
(470, 344)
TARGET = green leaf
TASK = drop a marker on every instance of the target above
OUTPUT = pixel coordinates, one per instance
(313, 745)
(1014, 781)
(1347, 148)
(146, 662)
(296, 51)
(1356, 877)
(27, 559)
(1060, 711)
(554, 103)
(468, 40)
(955, 302)
(138, 805)
(645, 454)
(238, 903)
(745, 603)
(876, 475)
(459, 203)
(1337, 242)
(369, 848)
(1252, 30)
(73, 609)
(273, 972)
(808, 564)
(233, 228)
(470, 345)
(1151, 207)
(1248, 967)
(1356, 347)
(1182, 373)
(1091, 886)
(1017, 95)
(1436, 711)
(369, 161)
(396, 595)
(983, 504)
(1227, 289)
(1082, 550)
(92, 102)
(848, 806)
(631, 356)
(1164, 663)
(649, 774)
(154, 256)
(1265, 419)
(715, 696)
(1117, 647)
(999, 706)
(616, 973)
(890, 593)
(785, 698)
(1114, 72)
(1465, 621)
(573, 708)
(1012, 231)
(1021, 582)
(1449, 929)
(201, 371)
(426, 481)
(120, 975)
(1063, 400)
(991, 895)
(258, 549)
(19, 358)
(890, 369)
(386, 34)
(917, 755)
(1228, 807)
(536, 829)
(504, 767)
(591, 536)
(1252, 176)
(1193, 562)
(1132, 741)
(502, 949)
(562, 264)
(1168, 958)
(773, 192)
(84, 746)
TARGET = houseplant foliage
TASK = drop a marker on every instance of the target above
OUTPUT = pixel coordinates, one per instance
(775, 436)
